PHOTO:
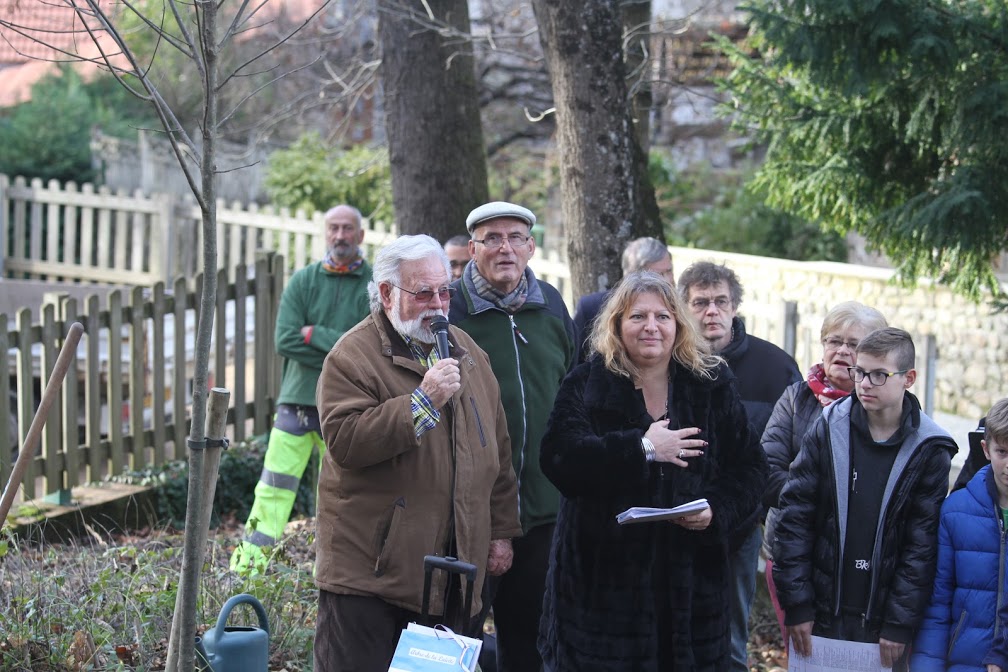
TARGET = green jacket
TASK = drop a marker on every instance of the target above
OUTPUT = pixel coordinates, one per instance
(332, 304)
(530, 353)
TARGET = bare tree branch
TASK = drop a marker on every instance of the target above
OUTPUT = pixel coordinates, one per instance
(265, 85)
(277, 44)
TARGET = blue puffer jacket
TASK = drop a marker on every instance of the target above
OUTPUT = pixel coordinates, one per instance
(959, 624)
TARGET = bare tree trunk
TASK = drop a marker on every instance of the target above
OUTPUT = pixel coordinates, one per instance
(435, 137)
(200, 43)
(181, 643)
(607, 199)
(636, 36)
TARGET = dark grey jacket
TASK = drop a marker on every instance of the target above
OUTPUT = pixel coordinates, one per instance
(810, 535)
(792, 417)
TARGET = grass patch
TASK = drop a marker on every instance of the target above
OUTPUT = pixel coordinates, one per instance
(105, 601)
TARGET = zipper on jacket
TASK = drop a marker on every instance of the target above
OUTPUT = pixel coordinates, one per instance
(517, 331)
(516, 335)
(1001, 571)
(958, 631)
(479, 422)
(838, 561)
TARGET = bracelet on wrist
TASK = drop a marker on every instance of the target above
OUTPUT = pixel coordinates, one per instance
(648, 448)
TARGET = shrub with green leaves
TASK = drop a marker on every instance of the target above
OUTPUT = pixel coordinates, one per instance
(311, 176)
(723, 211)
(240, 467)
(49, 136)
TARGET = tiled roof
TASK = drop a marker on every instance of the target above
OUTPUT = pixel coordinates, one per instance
(39, 35)
(40, 30)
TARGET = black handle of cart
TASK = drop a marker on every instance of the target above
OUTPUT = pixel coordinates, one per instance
(449, 565)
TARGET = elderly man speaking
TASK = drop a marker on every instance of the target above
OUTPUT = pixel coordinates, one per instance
(418, 462)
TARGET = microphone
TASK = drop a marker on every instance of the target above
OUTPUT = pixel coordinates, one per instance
(439, 325)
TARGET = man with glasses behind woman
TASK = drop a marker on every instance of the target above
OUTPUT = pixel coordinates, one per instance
(712, 293)
(856, 543)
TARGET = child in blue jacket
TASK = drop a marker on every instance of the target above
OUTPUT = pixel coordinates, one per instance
(959, 624)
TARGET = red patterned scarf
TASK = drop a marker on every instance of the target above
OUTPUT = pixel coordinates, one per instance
(821, 388)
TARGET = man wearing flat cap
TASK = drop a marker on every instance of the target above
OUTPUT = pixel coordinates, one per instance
(523, 325)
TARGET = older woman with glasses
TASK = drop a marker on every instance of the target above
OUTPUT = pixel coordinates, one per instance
(844, 326)
(654, 420)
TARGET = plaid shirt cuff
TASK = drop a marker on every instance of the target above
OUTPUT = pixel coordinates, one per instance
(425, 416)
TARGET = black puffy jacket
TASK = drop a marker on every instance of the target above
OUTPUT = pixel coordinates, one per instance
(792, 416)
(810, 534)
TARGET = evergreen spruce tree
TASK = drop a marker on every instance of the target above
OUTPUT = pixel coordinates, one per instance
(886, 117)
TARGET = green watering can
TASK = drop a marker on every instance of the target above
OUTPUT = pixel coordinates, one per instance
(234, 648)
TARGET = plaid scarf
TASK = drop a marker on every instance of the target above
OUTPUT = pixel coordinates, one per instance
(509, 302)
(821, 388)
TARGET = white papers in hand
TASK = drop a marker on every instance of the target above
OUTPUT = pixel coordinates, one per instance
(642, 514)
(834, 655)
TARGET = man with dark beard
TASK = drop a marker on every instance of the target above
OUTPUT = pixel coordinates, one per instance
(418, 463)
(318, 305)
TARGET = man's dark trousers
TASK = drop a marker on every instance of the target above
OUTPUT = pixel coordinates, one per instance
(517, 601)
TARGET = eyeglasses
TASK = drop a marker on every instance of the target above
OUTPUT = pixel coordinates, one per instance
(495, 241)
(876, 378)
(425, 295)
(834, 343)
(700, 305)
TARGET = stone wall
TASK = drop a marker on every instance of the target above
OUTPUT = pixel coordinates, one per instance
(971, 339)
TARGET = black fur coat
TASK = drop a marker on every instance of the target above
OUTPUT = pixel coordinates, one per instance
(647, 596)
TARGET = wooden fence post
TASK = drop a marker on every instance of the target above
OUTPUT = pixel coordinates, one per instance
(240, 386)
(790, 327)
(163, 250)
(8, 417)
(4, 223)
(137, 379)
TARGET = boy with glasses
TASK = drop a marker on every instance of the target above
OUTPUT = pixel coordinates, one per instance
(856, 544)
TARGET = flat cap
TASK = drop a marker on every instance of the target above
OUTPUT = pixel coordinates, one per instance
(496, 210)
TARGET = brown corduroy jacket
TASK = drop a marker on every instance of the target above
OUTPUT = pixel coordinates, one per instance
(387, 498)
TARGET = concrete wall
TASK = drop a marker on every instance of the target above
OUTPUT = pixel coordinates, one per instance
(971, 339)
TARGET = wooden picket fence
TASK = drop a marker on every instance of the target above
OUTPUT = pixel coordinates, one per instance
(130, 238)
(53, 233)
(84, 234)
(126, 405)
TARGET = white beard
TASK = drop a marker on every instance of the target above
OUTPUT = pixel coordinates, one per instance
(413, 329)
